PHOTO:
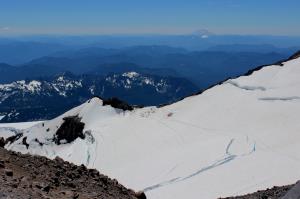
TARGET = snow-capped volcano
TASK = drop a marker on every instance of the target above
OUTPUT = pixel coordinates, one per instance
(235, 138)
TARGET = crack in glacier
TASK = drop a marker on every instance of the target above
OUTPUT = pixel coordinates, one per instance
(180, 179)
(161, 184)
(228, 147)
(228, 158)
(247, 88)
(280, 98)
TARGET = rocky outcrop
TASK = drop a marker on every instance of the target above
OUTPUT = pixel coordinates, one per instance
(70, 130)
(2, 142)
(117, 103)
(26, 176)
(12, 139)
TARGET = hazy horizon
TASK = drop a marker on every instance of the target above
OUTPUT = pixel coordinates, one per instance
(229, 17)
(193, 33)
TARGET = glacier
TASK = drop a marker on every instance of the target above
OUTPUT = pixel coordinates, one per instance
(236, 138)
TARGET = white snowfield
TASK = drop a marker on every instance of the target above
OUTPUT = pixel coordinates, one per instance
(233, 139)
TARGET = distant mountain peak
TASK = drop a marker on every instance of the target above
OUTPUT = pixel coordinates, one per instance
(203, 33)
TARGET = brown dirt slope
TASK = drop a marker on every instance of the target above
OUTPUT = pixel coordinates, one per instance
(27, 176)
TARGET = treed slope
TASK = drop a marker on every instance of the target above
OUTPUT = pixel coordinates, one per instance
(26, 176)
(233, 139)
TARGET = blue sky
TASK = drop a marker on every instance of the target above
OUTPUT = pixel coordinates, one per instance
(274, 17)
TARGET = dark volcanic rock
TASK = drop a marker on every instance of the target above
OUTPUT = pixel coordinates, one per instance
(2, 142)
(24, 141)
(294, 192)
(2, 164)
(8, 172)
(13, 138)
(273, 193)
(141, 195)
(116, 103)
(70, 130)
(36, 177)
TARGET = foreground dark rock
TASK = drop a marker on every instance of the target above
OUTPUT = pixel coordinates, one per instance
(26, 176)
(273, 193)
(294, 192)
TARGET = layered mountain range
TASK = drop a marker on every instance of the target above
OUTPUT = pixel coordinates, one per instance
(203, 68)
(46, 98)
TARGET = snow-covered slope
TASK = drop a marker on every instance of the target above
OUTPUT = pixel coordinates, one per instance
(235, 138)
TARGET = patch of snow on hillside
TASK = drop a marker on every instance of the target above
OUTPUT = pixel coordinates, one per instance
(130, 74)
(32, 86)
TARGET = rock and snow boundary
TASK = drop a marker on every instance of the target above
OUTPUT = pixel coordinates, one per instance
(235, 138)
